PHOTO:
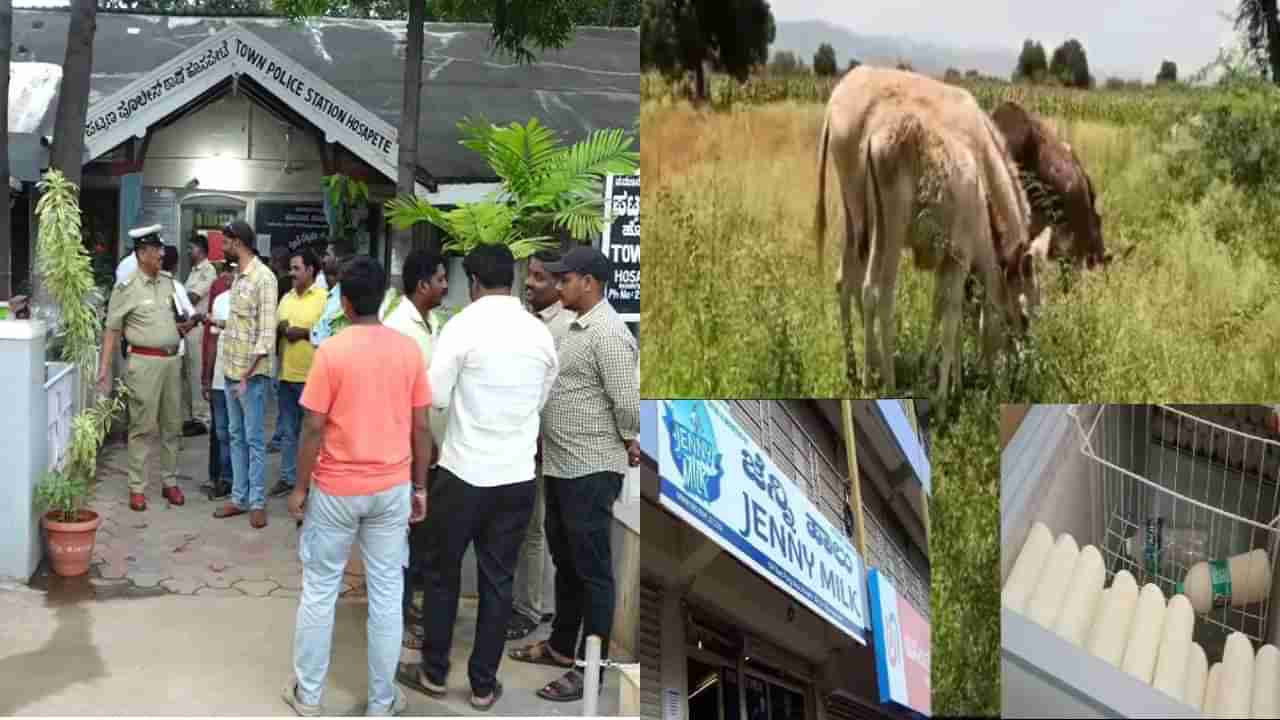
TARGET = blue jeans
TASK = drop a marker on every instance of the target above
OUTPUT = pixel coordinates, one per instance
(218, 401)
(332, 522)
(246, 419)
(290, 423)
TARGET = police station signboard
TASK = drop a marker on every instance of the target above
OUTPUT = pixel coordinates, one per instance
(621, 244)
(714, 477)
(902, 647)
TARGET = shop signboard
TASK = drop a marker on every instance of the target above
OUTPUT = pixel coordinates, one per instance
(902, 646)
(621, 244)
(292, 224)
(714, 477)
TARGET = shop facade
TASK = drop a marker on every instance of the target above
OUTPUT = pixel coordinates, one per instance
(755, 602)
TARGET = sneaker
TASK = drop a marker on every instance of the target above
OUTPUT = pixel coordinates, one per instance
(273, 447)
(280, 489)
(194, 428)
(290, 697)
(220, 491)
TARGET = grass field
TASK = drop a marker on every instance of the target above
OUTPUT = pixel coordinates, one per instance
(1192, 314)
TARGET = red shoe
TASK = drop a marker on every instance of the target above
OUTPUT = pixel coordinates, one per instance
(173, 494)
(137, 501)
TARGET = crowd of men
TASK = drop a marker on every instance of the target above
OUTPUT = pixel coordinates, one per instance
(507, 428)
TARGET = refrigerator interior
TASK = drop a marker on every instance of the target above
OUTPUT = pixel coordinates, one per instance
(1209, 470)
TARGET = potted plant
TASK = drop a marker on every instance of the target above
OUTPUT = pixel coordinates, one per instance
(66, 269)
(72, 528)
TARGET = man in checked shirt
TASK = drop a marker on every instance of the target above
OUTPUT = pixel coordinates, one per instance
(589, 429)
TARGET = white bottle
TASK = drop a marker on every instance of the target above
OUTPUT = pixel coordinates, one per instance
(1235, 691)
(1115, 614)
(1266, 668)
(1144, 634)
(1083, 593)
(1244, 579)
(1027, 568)
(1175, 645)
(1211, 686)
(1047, 599)
(1197, 673)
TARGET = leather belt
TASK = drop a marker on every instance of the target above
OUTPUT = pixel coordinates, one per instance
(153, 352)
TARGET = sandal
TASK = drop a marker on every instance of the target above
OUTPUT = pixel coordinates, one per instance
(538, 653)
(566, 688)
(412, 676)
(520, 627)
(492, 699)
(413, 637)
(228, 510)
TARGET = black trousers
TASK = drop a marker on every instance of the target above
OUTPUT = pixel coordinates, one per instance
(414, 575)
(579, 524)
(494, 519)
(216, 471)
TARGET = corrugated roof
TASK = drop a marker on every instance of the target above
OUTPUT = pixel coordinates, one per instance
(593, 83)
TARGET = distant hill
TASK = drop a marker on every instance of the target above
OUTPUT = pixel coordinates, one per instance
(803, 38)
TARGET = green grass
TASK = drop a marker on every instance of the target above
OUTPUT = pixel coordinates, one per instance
(1191, 315)
(1129, 106)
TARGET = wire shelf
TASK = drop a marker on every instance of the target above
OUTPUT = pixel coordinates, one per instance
(1213, 483)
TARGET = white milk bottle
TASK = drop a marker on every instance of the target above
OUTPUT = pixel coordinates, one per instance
(1161, 549)
(1243, 579)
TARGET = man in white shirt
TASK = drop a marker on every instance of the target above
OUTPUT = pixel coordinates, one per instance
(425, 284)
(491, 370)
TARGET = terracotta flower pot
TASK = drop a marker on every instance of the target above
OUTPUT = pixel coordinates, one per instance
(71, 543)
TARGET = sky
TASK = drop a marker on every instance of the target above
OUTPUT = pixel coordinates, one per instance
(1122, 37)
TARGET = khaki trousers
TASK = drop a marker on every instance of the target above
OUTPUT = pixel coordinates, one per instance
(194, 406)
(155, 407)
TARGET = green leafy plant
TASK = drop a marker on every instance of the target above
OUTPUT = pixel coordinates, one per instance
(67, 269)
(545, 187)
(346, 195)
(65, 489)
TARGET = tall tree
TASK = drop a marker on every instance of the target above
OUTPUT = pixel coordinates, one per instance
(1032, 64)
(6, 239)
(824, 61)
(784, 63)
(681, 36)
(1168, 72)
(73, 97)
(1070, 65)
(1261, 27)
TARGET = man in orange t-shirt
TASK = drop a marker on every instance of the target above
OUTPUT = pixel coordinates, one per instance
(364, 440)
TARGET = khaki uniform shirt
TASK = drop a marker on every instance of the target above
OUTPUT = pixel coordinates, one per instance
(143, 309)
(199, 280)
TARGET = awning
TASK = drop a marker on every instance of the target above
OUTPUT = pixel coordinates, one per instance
(27, 156)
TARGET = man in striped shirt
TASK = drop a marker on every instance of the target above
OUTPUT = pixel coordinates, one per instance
(589, 429)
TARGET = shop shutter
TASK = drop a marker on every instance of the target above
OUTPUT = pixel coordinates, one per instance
(840, 706)
(650, 644)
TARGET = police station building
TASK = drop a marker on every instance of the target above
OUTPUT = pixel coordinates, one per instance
(755, 602)
(194, 121)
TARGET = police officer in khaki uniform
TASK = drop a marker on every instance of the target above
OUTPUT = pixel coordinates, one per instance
(143, 309)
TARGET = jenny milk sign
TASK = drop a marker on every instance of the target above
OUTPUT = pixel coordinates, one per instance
(621, 244)
(902, 646)
(716, 479)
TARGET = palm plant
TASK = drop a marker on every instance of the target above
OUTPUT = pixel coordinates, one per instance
(545, 187)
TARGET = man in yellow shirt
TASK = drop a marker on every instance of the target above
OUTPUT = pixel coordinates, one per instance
(299, 309)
